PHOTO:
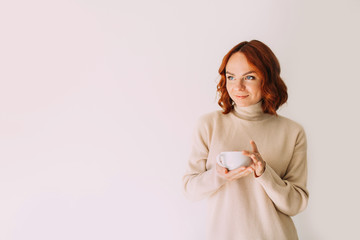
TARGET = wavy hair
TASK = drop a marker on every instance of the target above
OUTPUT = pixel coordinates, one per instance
(273, 88)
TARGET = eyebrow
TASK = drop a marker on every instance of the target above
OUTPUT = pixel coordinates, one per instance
(252, 71)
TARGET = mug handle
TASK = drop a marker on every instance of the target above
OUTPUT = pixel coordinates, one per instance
(219, 160)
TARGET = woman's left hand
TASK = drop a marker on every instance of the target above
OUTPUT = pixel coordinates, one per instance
(258, 163)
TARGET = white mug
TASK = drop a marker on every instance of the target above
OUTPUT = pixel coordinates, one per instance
(233, 159)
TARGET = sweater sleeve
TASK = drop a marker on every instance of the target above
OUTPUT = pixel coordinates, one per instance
(289, 193)
(198, 181)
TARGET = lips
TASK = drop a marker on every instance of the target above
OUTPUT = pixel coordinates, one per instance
(242, 97)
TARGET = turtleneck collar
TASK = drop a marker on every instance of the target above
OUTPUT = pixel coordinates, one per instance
(252, 113)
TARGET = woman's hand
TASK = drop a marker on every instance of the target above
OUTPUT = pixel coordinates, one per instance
(258, 164)
(233, 174)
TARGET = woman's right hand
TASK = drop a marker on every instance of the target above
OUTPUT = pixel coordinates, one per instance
(233, 174)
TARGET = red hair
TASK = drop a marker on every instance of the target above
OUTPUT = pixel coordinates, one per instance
(273, 88)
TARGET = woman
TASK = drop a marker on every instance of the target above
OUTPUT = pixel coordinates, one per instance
(257, 201)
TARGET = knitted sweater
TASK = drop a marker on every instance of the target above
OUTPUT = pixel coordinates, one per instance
(249, 208)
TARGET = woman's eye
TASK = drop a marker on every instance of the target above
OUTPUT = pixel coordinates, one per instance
(230, 77)
(249, 77)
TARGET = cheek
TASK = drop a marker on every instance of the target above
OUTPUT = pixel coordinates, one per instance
(228, 88)
(256, 90)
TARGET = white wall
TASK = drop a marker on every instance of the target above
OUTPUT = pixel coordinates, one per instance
(98, 100)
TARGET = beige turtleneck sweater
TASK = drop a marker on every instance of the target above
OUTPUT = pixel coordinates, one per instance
(249, 208)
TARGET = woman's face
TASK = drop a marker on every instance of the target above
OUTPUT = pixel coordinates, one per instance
(242, 81)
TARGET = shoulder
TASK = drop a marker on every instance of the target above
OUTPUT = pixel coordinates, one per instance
(295, 131)
(207, 122)
(289, 124)
(211, 117)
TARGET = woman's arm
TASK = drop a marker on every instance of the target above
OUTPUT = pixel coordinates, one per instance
(198, 181)
(289, 194)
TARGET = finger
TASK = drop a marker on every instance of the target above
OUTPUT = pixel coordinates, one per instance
(253, 168)
(234, 172)
(241, 174)
(250, 169)
(255, 158)
(240, 170)
(247, 153)
(237, 170)
(221, 170)
(254, 147)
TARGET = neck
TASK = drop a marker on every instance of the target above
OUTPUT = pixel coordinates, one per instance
(253, 112)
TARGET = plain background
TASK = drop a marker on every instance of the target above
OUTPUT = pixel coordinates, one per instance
(98, 101)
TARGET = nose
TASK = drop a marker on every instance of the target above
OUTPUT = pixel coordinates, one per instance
(240, 85)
